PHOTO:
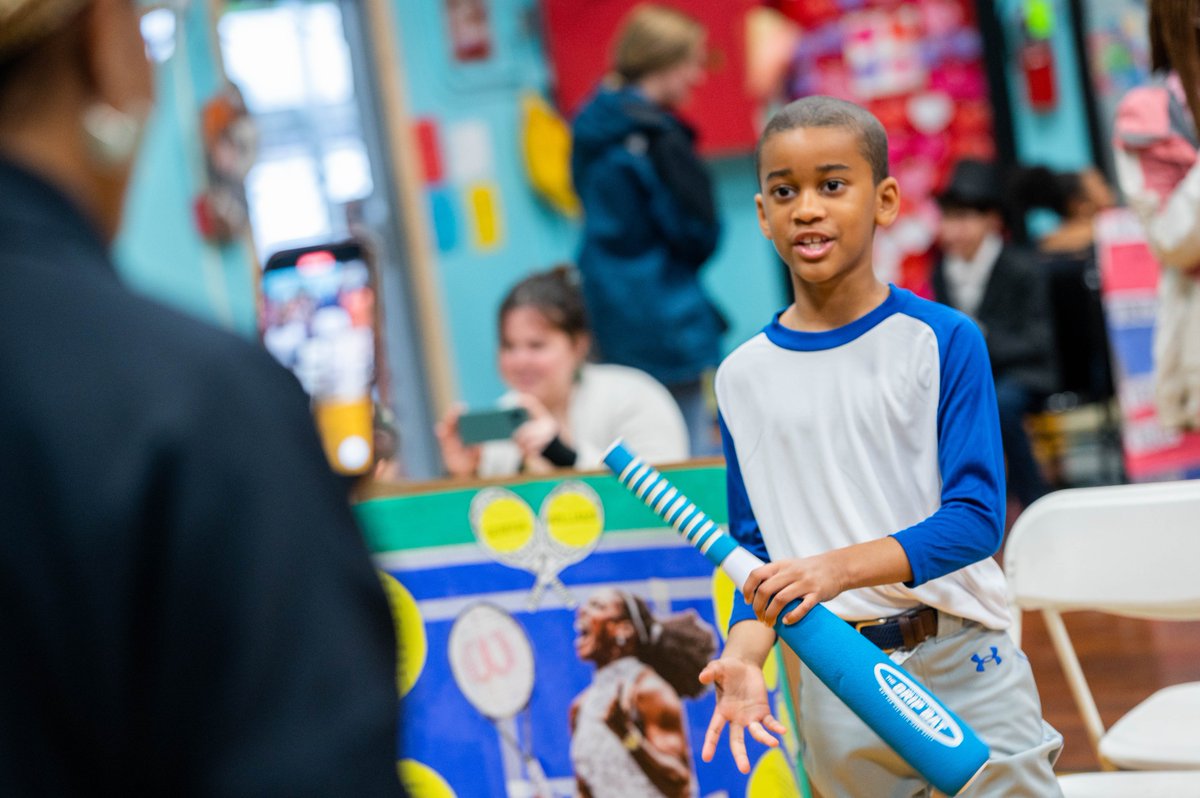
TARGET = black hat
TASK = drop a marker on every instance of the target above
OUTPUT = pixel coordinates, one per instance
(973, 184)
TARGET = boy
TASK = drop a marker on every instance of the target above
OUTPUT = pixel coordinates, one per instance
(864, 460)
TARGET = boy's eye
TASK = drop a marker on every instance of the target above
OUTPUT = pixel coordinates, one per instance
(834, 185)
(783, 192)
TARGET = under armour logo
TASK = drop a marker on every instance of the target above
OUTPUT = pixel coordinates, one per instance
(978, 660)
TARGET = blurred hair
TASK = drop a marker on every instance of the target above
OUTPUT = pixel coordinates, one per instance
(29, 70)
(555, 294)
(1040, 187)
(653, 38)
(822, 111)
(1175, 46)
(678, 647)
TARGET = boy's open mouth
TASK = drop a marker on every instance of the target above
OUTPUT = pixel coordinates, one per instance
(812, 246)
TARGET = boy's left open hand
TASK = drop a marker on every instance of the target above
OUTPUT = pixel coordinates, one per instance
(776, 584)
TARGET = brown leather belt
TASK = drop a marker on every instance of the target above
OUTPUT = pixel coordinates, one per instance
(905, 630)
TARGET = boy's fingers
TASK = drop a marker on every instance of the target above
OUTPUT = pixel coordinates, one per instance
(737, 745)
(712, 672)
(762, 735)
(779, 603)
(712, 736)
(774, 725)
(795, 615)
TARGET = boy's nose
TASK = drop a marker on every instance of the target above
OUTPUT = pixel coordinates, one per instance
(809, 208)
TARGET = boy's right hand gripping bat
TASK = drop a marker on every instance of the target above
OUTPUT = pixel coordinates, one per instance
(904, 714)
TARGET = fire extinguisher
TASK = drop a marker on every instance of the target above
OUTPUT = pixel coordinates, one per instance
(1036, 55)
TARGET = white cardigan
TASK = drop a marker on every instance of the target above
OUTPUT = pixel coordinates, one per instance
(606, 403)
(1172, 227)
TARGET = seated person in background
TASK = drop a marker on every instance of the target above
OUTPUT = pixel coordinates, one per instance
(1001, 288)
(1068, 261)
(576, 409)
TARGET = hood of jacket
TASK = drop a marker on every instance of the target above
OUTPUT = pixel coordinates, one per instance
(611, 116)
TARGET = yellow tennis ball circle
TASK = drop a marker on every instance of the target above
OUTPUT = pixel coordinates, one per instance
(771, 670)
(573, 520)
(772, 777)
(783, 713)
(411, 646)
(421, 780)
(506, 525)
(722, 598)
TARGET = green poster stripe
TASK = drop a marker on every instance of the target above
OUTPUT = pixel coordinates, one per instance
(441, 519)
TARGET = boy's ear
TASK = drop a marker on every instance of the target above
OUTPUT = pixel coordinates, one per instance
(762, 216)
(887, 201)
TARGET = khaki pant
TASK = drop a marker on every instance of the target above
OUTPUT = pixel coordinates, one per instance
(994, 693)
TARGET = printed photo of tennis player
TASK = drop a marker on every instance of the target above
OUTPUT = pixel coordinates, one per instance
(628, 727)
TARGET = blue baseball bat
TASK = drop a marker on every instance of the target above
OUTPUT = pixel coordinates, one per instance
(908, 717)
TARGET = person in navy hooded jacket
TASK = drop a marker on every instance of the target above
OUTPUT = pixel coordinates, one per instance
(650, 221)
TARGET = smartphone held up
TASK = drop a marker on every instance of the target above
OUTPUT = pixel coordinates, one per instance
(319, 321)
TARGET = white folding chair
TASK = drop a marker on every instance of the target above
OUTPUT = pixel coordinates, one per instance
(1129, 550)
(1129, 784)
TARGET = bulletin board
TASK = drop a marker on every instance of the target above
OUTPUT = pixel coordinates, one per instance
(579, 39)
(483, 581)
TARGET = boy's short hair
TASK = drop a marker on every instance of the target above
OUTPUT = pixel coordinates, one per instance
(821, 111)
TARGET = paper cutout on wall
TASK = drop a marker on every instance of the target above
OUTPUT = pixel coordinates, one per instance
(469, 151)
(483, 203)
(430, 150)
(444, 219)
(470, 29)
(546, 145)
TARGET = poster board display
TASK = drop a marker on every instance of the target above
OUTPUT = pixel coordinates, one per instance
(492, 586)
(1129, 286)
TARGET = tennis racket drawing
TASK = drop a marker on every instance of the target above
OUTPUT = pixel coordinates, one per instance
(565, 531)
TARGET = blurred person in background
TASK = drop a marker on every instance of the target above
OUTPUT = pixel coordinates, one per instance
(187, 605)
(1155, 138)
(629, 726)
(650, 220)
(1068, 261)
(576, 409)
(1001, 288)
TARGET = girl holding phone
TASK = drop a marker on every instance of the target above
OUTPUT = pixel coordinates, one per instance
(574, 408)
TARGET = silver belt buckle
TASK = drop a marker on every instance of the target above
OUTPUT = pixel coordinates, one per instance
(860, 625)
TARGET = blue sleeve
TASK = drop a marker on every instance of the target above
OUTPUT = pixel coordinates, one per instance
(743, 526)
(969, 524)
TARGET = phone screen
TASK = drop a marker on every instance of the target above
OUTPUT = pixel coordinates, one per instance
(318, 321)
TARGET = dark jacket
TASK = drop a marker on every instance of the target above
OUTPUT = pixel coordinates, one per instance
(186, 605)
(649, 225)
(1015, 317)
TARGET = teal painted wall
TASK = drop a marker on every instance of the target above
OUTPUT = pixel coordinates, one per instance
(160, 252)
(743, 276)
(1058, 138)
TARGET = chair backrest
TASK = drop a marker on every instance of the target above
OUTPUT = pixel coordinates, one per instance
(1130, 550)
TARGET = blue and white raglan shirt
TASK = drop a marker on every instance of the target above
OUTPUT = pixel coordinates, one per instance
(886, 426)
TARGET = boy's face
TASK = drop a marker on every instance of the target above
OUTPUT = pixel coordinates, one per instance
(819, 203)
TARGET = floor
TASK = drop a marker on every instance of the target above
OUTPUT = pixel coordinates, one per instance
(1124, 661)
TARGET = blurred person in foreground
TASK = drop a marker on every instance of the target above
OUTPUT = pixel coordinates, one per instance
(650, 220)
(186, 603)
(576, 409)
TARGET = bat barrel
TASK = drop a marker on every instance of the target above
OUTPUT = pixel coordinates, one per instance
(657, 493)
